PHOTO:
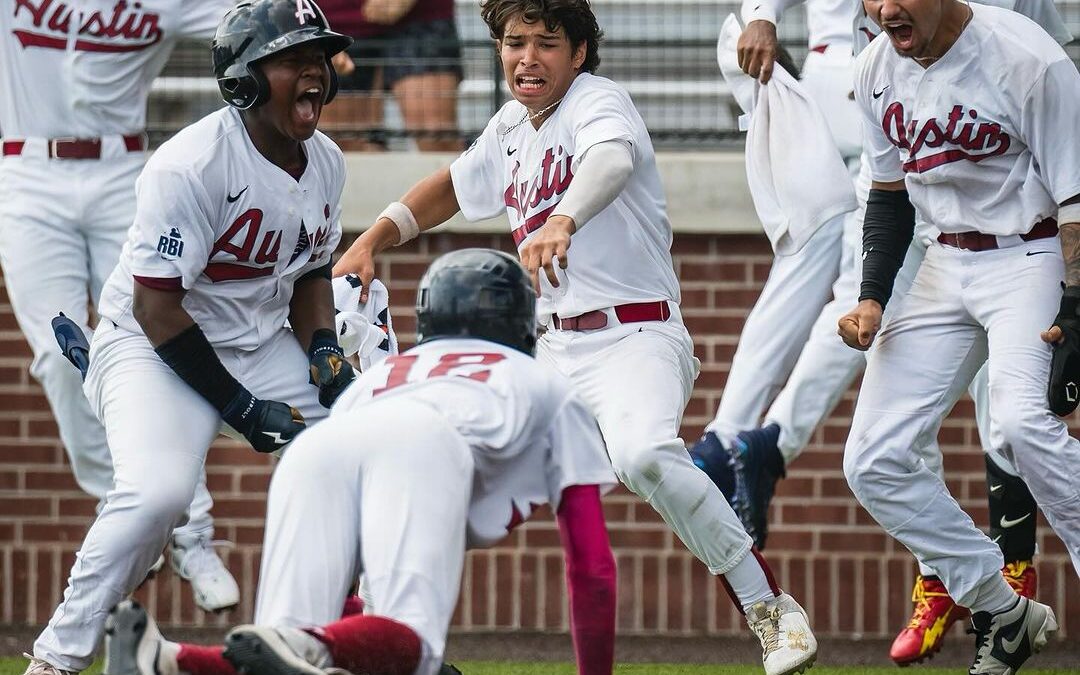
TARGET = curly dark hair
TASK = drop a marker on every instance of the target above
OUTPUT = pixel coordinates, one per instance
(574, 16)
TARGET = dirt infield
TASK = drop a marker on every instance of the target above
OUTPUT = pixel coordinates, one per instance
(642, 649)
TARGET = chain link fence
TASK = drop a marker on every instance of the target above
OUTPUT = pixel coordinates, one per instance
(663, 51)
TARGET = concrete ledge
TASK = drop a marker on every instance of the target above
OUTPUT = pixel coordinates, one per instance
(706, 192)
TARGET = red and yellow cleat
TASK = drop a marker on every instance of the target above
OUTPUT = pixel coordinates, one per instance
(935, 612)
(1022, 577)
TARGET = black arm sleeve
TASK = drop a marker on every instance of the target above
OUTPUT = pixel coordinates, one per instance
(191, 357)
(888, 228)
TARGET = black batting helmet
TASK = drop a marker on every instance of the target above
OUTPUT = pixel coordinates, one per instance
(256, 29)
(480, 293)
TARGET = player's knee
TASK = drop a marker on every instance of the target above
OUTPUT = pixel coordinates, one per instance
(161, 502)
(639, 464)
(857, 470)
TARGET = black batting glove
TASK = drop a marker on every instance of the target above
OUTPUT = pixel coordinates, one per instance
(268, 425)
(330, 372)
(1063, 392)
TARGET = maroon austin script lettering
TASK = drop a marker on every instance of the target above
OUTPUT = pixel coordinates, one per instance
(127, 29)
(554, 178)
(976, 142)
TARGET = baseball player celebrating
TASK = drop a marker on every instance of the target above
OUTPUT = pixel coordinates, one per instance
(74, 80)
(825, 368)
(570, 162)
(990, 171)
(447, 446)
(236, 220)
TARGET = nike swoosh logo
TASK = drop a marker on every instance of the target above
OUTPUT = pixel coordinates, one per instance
(1030, 253)
(510, 152)
(995, 488)
(1005, 522)
(230, 198)
(879, 92)
(1013, 644)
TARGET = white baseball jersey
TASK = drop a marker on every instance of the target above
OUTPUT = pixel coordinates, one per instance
(985, 137)
(622, 255)
(217, 219)
(84, 67)
(530, 436)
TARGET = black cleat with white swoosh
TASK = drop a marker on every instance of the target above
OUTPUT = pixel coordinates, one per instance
(1004, 641)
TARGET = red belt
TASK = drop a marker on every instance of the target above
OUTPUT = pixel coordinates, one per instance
(629, 313)
(979, 241)
(820, 49)
(77, 148)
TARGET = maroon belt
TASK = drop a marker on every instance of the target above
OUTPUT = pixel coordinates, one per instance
(820, 49)
(979, 241)
(77, 148)
(629, 313)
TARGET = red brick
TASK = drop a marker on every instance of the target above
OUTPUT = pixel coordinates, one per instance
(77, 507)
(818, 514)
(58, 480)
(22, 507)
(27, 453)
(41, 532)
(637, 538)
(713, 270)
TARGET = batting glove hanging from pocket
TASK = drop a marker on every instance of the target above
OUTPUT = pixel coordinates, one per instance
(330, 372)
(1064, 393)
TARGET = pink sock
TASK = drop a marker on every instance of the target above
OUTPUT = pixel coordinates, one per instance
(371, 644)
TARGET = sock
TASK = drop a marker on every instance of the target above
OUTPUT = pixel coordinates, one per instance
(994, 595)
(751, 581)
(371, 644)
(199, 660)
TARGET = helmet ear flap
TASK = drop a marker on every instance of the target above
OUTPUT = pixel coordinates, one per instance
(239, 92)
(260, 84)
(331, 91)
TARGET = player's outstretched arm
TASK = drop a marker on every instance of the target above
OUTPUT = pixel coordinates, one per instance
(590, 578)
(430, 202)
(311, 315)
(181, 344)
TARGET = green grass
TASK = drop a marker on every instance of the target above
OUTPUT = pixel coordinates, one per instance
(15, 666)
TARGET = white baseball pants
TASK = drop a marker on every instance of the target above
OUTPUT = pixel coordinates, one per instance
(637, 378)
(62, 225)
(963, 308)
(159, 430)
(382, 490)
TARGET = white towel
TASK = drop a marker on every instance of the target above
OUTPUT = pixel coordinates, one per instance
(797, 178)
(364, 329)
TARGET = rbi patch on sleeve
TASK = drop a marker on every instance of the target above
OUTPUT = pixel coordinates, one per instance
(171, 244)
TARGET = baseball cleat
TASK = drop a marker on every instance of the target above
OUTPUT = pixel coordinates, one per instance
(935, 613)
(194, 559)
(787, 643)
(40, 667)
(133, 644)
(259, 650)
(760, 465)
(1004, 641)
(1021, 576)
(722, 468)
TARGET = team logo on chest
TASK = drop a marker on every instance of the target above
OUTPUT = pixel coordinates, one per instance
(127, 28)
(254, 252)
(552, 180)
(962, 137)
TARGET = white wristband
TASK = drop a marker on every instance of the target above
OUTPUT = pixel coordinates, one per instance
(403, 217)
(1070, 213)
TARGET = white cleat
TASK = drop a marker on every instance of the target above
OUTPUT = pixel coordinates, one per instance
(258, 650)
(787, 643)
(39, 667)
(133, 644)
(1003, 641)
(195, 560)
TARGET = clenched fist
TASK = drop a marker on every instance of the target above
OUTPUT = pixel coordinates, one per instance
(859, 326)
(330, 372)
(268, 425)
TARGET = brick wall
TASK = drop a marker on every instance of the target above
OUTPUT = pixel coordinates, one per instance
(850, 576)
